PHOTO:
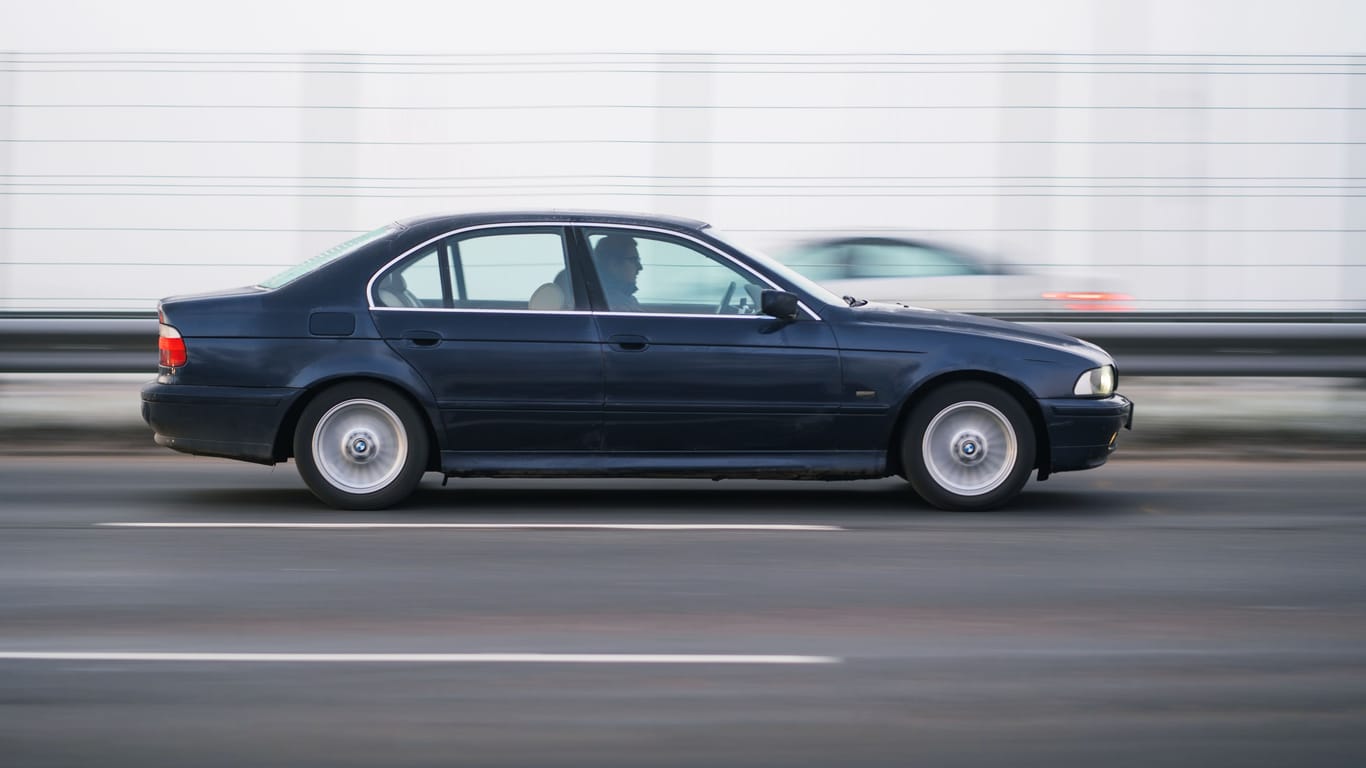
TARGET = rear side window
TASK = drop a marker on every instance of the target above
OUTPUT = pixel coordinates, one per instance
(509, 267)
(418, 283)
(502, 269)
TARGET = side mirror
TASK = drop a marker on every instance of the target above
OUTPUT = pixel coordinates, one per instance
(779, 304)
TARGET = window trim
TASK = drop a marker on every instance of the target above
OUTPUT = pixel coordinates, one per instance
(563, 227)
(559, 227)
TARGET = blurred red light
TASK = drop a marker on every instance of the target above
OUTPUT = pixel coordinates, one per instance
(1092, 301)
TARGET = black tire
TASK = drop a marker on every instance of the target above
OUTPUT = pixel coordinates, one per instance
(968, 446)
(361, 446)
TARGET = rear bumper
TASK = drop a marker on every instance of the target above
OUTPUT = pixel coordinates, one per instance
(1083, 433)
(231, 422)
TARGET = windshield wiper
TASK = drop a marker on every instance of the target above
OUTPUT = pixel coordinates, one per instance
(853, 302)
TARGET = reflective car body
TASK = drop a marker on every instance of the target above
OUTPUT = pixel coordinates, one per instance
(938, 276)
(492, 345)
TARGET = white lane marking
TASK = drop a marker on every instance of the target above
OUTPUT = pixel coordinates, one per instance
(493, 526)
(424, 658)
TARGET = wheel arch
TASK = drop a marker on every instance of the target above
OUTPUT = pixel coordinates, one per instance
(1042, 452)
(284, 438)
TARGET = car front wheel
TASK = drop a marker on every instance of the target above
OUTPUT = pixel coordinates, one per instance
(360, 446)
(968, 446)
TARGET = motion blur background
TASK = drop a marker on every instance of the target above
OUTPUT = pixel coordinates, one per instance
(1203, 156)
(1206, 157)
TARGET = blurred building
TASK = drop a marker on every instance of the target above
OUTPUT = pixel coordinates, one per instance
(1222, 179)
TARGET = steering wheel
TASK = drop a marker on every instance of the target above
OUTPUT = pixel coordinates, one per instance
(725, 299)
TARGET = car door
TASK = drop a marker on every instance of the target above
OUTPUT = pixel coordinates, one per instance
(497, 323)
(692, 366)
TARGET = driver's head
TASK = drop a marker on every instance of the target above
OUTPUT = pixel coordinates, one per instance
(618, 256)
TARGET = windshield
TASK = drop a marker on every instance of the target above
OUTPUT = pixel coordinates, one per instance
(815, 290)
(326, 257)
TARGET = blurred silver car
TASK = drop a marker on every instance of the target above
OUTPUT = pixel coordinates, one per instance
(940, 277)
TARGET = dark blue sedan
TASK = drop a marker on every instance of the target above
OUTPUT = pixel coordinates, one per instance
(555, 344)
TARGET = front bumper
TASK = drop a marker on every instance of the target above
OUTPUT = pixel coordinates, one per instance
(231, 422)
(1083, 433)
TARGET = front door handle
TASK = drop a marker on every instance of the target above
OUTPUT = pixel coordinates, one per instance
(421, 338)
(628, 342)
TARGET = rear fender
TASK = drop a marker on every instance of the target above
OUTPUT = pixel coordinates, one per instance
(382, 366)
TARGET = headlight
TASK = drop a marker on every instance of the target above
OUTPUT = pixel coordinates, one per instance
(1097, 382)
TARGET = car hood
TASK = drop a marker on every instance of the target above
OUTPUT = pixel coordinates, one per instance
(921, 319)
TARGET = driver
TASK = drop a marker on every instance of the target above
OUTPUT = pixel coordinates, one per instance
(618, 262)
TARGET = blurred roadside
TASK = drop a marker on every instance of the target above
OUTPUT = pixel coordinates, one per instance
(1174, 417)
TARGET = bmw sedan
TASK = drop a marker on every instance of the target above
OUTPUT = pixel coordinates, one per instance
(556, 344)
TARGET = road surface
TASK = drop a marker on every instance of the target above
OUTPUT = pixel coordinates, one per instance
(1147, 613)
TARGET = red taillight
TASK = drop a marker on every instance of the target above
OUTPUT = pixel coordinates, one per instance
(1093, 301)
(171, 348)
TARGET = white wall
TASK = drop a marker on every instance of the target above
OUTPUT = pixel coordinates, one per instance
(1208, 155)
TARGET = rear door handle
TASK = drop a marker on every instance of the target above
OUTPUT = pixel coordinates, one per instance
(629, 342)
(421, 338)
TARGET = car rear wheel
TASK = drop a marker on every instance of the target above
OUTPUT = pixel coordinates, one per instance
(360, 446)
(967, 446)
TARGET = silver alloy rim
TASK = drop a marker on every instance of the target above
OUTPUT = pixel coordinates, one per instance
(360, 446)
(969, 448)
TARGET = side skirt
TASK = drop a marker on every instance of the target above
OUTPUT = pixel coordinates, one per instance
(843, 465)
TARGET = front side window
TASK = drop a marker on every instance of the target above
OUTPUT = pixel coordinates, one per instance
(648, 272)
(502, 269)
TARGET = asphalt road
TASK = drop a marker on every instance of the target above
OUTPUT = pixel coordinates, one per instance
(1147, 613)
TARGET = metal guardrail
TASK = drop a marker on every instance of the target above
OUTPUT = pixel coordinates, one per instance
(1311, 345)
(33, 342)
(1228, 349)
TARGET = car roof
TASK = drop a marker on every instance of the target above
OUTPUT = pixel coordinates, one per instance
(557, 215)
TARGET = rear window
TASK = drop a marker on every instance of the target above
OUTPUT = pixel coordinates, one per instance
(328, 256)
